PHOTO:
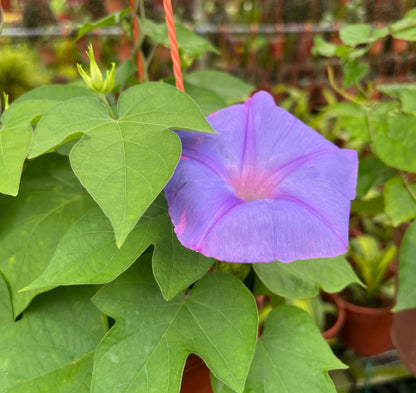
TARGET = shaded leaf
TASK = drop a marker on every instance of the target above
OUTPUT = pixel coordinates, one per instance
(371, 173)
(395, 89)
(109, 20)
(207, 100)
(88, 253)
(323, 48)
(304, 278)
(353, 72)
(408, 100)
(6, 311)
(403, 128)
(406, 295)
(353, 119)
(405, 28)
(123, 72)
(353, 35)
(188, 42)
(372, 206)
(400, 201)
(388, 143)
(49, 349)
(147, 348)
(50, 201)
(228, 87)
(124, 163)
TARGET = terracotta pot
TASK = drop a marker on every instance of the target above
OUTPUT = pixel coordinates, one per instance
(404, 327)
(334, 330)
(367, 330)
(400, 46)
(115, 5)
(6, 4)
(195, 376)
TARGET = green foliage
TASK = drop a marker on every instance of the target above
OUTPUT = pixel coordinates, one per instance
(109, 20)
(302, 279)
(49, 202)
(400, 200)
(94, 214)
(148, 346)
(51, 347)
(290, 341)
(123, 163)
(383, 131)
(371, 263)
(98, 260)
(405, 29)
(353, 35)
(188, 42)
(20, 71)
(406, 295)
(371, 173)
(226, 90)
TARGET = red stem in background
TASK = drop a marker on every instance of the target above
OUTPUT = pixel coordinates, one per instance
(174, 53)
(139, 62)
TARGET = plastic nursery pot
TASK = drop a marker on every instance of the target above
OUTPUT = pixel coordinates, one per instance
(367, 330)
(333, 330)
(195, 376)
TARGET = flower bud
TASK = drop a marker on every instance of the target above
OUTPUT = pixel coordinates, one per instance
(95, 79)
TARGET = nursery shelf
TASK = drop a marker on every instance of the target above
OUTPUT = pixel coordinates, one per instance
(374, 370)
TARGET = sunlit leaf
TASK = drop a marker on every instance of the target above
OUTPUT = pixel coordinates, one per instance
(147, 348)
(123, 163)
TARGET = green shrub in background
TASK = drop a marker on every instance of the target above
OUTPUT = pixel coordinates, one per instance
(20, 71)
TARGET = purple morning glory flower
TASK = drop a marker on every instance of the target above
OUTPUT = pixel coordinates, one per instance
(265, 187)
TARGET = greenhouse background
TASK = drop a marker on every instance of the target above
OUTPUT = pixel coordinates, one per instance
(294, 50)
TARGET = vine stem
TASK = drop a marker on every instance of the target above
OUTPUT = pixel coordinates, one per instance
(139, 60)
(103, 99)
(331, 79)
(408, 187)
(174, 52)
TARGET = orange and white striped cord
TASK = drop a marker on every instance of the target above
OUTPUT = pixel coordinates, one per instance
(174, 52)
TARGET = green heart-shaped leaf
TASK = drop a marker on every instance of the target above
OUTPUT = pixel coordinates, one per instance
(124, 163)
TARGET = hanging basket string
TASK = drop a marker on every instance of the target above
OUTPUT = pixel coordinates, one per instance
(139, 62)
(174, 53)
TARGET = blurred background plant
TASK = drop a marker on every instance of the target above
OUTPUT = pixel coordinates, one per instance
(20, 70)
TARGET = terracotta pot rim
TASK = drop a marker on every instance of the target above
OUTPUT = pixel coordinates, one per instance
(363, 309)
(336, 327)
